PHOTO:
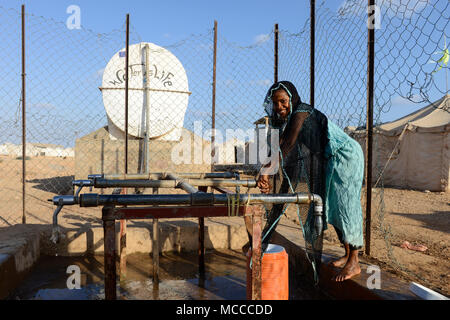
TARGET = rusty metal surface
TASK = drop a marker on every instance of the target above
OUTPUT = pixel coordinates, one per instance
(110, 256)
(201, 240)
(155, 248)
(123, 245)
(256, 253)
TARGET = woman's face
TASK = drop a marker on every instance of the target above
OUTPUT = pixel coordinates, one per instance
(281, 103)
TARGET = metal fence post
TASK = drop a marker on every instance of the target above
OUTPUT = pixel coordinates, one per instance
(123, 223)
(276, 54)
(24, 133)
(369, 124)
(213, 116)
(312, 81)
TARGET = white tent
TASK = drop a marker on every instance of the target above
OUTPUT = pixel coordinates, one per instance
(413, 151)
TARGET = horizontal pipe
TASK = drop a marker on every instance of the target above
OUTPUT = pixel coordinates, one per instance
(138, 183)
(161, 176)
(200, 198)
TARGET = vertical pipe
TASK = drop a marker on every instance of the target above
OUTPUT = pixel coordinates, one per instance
(276, 54)
(275, 77)
(312, 51)
(213, 119)
(155, 249)
(127, 47)
(201, 240)
(23, 119)
(147, 110)
(110, 256)
(256, 253)
(370, 97)
(123, 245)
(123, 223)
(312, 81)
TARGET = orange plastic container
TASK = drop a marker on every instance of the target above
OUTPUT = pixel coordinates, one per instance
(274, 274)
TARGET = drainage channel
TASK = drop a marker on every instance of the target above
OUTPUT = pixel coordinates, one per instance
(224, 279)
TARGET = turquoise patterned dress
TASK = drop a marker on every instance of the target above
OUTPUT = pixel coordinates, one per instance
(344, 176)
(329, 158)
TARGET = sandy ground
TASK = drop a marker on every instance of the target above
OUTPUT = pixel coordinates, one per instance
(414, 216)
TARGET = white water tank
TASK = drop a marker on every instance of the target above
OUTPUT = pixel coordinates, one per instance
(166, 94)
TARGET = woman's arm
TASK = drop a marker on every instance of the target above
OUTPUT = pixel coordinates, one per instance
(289, 137)
(287, 142)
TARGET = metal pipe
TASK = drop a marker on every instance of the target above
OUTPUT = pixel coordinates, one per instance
(127, 56)
(312, 81)
(109, 236)
(256, 254)
(201, 241)
(199, 198)
(56, 233)
(155, 249)
(318, 213)
(369, 141)
(147, 110)
(213, 111)
(174, 183)
(276, 53)
(163, 175)
(192, 199)
(23, 119)
(182, 184)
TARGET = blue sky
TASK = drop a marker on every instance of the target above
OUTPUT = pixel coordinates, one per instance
(243, 22)
(171, 20)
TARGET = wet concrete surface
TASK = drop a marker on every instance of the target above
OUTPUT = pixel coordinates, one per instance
(224, 279)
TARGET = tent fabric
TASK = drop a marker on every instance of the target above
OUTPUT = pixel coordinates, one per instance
(420, 157)
(432, 118)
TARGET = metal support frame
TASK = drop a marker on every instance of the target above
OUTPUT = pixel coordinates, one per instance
(155, 249)
(197, 203)
(201, 240)
(110, 214)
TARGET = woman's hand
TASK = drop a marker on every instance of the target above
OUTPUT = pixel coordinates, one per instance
(263, 183)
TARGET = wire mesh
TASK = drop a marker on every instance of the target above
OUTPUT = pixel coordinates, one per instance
(75, 97)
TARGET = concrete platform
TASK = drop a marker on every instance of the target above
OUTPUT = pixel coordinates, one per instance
(22, 245)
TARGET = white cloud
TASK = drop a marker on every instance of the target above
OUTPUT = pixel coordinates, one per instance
(261, 82)
(43, 106)
(261, 38)
(400, 101)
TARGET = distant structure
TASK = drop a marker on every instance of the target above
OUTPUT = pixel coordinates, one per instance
(158, 95)
(413, 151)
(36, 150)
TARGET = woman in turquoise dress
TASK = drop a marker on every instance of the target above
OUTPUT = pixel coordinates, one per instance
(334, 166)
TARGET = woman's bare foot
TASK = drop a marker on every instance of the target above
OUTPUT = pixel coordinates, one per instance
(351, 268)
(342, 260)
(339, 262)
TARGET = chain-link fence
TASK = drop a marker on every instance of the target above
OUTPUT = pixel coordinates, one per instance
(410, 154)
(76, 111)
